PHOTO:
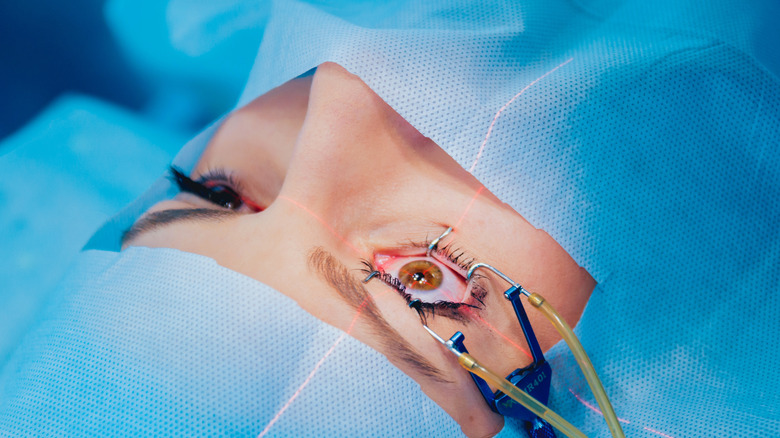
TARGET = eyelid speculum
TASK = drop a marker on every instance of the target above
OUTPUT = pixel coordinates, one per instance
(454, 302)
(503, 276)
(435, 243)
(422, 275)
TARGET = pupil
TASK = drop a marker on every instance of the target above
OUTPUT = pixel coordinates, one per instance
(421, 275)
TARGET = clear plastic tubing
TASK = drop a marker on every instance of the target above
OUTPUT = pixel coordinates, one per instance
(583, 361)
(533, 405)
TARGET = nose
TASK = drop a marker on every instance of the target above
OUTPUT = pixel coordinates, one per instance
(355, 150)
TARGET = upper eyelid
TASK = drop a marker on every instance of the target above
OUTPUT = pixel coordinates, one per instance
(461, 259)
(448, 309)
(197, 187)
(221, 174)
(218, 176)
(437, 255)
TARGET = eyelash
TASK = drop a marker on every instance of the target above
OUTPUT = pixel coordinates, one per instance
(205, 188)
(456, 256)
(445, 308)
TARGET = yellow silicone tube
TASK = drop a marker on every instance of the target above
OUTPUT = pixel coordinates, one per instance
(522, 397)
(583, 361)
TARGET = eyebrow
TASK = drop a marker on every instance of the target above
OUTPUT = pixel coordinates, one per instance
(327, 266)
(339, 278)
(159, 219)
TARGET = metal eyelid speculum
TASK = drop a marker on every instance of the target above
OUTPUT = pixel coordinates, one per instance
(533, 379)
(435, 242)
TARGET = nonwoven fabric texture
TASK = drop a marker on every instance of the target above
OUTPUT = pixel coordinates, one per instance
(644, 139)
(158, 342)
(65, 173)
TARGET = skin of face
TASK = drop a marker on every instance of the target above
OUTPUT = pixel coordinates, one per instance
(340, 173)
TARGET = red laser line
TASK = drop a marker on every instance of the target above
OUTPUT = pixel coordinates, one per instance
(593, 408)
(489, 326)
(342, 239)
(315, 369)
(303, 385)
(657, 432)
(468, 207)
(490, 128)
(598, 411)
(514, 344)
(320, 220)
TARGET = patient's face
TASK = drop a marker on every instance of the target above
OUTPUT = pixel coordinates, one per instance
(344, 185)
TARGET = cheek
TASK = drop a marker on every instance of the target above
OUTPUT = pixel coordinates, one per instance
(500, 344)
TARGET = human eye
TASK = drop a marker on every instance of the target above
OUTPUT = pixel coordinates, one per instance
(216, 186)
(438, 281)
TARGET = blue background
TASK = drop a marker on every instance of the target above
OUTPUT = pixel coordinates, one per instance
(51, 47)
(96, 98)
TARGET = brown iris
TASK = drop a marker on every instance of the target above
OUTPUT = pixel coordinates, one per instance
(420, 275)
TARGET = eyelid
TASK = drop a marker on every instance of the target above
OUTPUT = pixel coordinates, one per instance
(453, 288)
(382, 258)
(220, 175)
(474, 299)
(203, 186)
(441, 254)
(229, 178)
(450, 254)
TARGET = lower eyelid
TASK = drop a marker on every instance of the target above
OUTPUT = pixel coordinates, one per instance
(456, 311)
(454, 289)
(477, 292)
(252, 205)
